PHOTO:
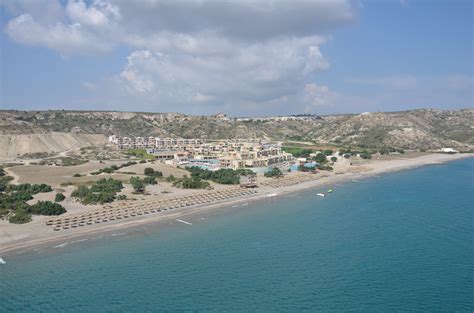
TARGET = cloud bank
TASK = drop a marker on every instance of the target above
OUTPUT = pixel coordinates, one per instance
(212, 54)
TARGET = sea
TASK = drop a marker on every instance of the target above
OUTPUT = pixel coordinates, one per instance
(401, 242)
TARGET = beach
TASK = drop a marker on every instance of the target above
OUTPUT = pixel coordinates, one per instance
(21, 238)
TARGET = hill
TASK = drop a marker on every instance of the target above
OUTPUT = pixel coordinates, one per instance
(415, 129)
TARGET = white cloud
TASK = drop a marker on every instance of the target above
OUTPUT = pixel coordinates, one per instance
(66, 39)
(243, 72)
(135, 71)
(98, 14)
(194, 51)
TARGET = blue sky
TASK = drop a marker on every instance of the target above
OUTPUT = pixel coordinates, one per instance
(242, 58)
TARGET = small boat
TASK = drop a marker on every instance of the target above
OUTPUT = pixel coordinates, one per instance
(330, 191)
(321, 194)
(2, 261)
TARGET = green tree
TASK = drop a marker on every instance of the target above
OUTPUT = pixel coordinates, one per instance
(137, 184)
(334, 159)
(328, 152)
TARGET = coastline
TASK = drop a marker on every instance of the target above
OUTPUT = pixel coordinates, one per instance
(375, 168)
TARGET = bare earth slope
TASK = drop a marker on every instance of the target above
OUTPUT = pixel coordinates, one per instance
(20, 144)
(62, 130)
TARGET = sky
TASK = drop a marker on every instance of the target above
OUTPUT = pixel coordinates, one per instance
(243, 58)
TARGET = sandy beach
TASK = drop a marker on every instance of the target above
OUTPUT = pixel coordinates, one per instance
(23, 238)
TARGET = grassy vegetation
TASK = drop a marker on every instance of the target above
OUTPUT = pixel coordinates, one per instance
(102, 191)
(63, 161)
(140, 153)
(113, 168)
(224, 176)
(298, 152)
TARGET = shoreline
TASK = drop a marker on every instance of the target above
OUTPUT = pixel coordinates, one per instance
(376, 168)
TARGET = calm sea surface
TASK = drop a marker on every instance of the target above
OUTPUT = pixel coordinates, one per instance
(401, 242)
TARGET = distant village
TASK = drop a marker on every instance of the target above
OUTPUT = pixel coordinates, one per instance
(231, 153)
(256, 154)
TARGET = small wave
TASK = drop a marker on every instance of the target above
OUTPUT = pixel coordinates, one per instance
(61, 245)
(79, 240)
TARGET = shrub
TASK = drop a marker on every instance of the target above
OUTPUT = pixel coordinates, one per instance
(59, 197)
(3, 212)
(150, 180)
(225, 176)
(4, 181)
(20, 217)
(191, 183)
(47, 208)
(324, 168)
(107, 185)
(320, 158)
(102, 191)
(30, 188)
(328, 152)
(76, 175)
(334, 159)
(275, 172)
(142, 161)
(151, 172)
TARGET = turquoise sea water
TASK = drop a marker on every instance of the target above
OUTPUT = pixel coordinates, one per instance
(402, 242)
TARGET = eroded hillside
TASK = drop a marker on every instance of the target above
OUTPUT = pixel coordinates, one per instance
(417, 129)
